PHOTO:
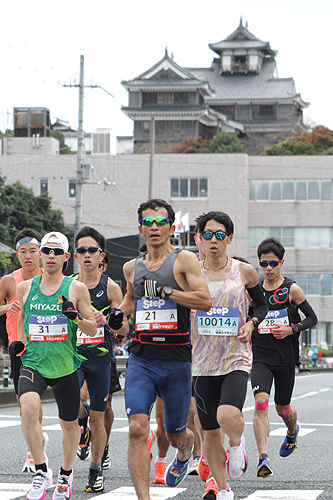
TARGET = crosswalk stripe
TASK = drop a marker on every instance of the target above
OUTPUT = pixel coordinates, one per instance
(128, 493)
(10, 491)
(281, 431)
(284, 495)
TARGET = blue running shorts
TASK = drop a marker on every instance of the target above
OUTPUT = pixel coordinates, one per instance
(98, 379)
(144, 377)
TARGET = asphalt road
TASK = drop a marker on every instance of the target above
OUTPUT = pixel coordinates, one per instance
(305, 475)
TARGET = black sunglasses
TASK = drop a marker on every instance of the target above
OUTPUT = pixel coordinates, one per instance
(219, 235)
(87, 249)
(55, 250)
(272, 263)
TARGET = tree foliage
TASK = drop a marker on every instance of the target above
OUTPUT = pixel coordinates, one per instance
(20, 208)
(318, 141)
(63, 148)
(223, 142)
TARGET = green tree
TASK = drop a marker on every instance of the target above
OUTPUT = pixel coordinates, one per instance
(6, 133)
(63, 148)
(20, 208)
(192, 145)
(226, 142)
(5, 260)
(318, 141)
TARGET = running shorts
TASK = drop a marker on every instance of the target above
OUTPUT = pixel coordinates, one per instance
(262, 377)
(98, 382)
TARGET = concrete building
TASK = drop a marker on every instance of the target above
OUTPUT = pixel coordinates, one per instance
(287, 197)
(240, 92)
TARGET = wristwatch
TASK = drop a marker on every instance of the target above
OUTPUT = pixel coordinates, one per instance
(167, 292)
(255, 323)
(79, 318)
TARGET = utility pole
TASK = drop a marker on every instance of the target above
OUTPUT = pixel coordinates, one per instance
(151, 156)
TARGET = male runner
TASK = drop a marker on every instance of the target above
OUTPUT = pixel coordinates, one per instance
(27, 243)
(96, 353)
(276, 351)
(222, 354)
(162, 286)
(52, 305)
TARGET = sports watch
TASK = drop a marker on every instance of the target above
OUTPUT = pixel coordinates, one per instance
(79, 318)
(167, 292)
(255, 323)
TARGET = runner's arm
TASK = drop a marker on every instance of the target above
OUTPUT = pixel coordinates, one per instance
(79, 295)
(115, 298)
(22, 293)
(7, 289)
(127, 304)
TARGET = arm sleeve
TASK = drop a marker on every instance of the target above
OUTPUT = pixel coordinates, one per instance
(310, 319)
(260, 306)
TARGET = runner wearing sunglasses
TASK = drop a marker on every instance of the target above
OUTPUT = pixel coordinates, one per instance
(162, 286)
(275, 346)
(222, 355)
(51, 307)
(97, 353)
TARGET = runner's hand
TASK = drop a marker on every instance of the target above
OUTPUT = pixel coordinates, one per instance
(151, 289)
(115, 319)
(68, 309)
(16, 347)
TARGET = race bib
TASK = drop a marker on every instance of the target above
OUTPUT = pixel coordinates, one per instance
(83, 338)
(279, 317)
(218, 321)
(52, 328)
(156, 314)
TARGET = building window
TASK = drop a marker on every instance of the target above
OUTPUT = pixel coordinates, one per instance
(189, 188)
(291, 190)
(293, 237)
(314, 284)
(71, 188)
(43, 186)
(266, 110)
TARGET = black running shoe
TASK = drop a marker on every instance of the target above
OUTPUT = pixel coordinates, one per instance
(106, 458)
(83, 451)
(95, 481)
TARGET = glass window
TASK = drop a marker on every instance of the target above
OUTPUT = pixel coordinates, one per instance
(288, 236)
(313, 190)
(183, 188)
(301, 280)
(71, 188)
(194, 188)
(327, 190)
(252, 190)
(43, 186)
(325, 237)
(275, 232)
(203, 188)
(262, 190)
(313, 284)
(275, 190)
(300, 190)
(288, 190)
(174, 187)
(326, 284)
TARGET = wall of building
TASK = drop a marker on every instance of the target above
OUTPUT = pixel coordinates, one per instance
(30, 145)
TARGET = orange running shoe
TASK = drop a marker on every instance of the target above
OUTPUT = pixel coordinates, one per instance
(159, 473)
(211, 490)
(150, 441)
(203, 469)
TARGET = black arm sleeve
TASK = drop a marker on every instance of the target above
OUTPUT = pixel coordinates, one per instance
(310, 316)
(259, 302)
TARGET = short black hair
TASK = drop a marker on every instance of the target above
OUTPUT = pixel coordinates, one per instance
(86, 231)
(241, 259)
(27, 232)
(157, 203)
(106, 257)
(271, 245)
(220, 217)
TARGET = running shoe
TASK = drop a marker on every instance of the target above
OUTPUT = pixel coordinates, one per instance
(225, 495)
(150, 441)
(193, 469)
(238, 461)
(41, 481)
(289, 443)
(29, 464)
(264, 469)
(159, 473)
(176, 472)
(211, 489)
(95, 482)
(106, 458)
(83, 451)
(203, 469)
(63, 490)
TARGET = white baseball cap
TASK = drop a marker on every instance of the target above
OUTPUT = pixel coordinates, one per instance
(55, 237)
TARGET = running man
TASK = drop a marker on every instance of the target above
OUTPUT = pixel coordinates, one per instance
(275, 347)
(97, 353)
(52, 305)
(27, 244)
(222, 354)
(162, 286)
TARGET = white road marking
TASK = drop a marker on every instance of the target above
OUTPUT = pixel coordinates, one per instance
(128, 492)
(9, 423)
(284, 495)
(9, 491)
(281, 431)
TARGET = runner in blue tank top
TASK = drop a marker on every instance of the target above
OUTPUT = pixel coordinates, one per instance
(162, 286)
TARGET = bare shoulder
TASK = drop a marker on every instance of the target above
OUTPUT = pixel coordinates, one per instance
(249, 274)
(23, 287)
(296, 294)
(128, 268)
(113, 287)
(187, 259)
(7, 282)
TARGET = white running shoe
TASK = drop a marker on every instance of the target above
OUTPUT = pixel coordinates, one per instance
(63, 490)
(225, 495)
(29, 464)
(238, 461)
(41, 481)
(193, 468)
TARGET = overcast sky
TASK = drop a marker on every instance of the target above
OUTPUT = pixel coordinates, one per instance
(41, 43)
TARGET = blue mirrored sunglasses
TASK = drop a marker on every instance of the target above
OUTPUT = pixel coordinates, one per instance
(219, 235)
(272, 263)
